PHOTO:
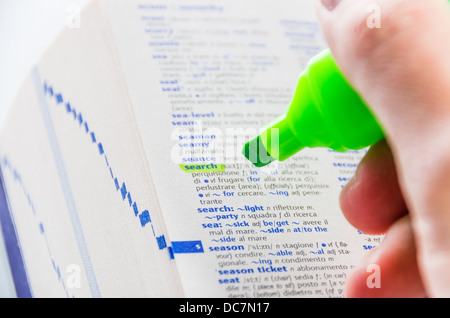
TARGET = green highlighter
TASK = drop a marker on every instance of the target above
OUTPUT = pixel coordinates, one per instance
(324, 112)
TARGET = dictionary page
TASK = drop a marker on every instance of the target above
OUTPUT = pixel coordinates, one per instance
(82, 216)
(203, 78)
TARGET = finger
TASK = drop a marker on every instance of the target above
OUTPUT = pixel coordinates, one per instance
(399, 64)
(372, 200)
(390, 270)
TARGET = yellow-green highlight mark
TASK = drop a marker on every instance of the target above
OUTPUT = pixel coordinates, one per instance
(210, 167)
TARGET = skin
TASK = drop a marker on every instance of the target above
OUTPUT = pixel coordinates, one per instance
(402, 186)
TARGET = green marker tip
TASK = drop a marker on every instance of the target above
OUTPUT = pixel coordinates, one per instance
(256, 153)
(325, 111)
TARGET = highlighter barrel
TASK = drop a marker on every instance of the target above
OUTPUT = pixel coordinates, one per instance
(325, 111)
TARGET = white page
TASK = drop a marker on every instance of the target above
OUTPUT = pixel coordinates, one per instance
(74, 171)
(199, 72)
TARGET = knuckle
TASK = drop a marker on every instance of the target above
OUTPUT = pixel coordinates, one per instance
(397, 23)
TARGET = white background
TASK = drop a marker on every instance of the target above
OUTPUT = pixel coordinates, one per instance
(27, 27)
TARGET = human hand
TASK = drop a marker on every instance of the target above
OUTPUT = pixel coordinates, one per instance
(396, 54)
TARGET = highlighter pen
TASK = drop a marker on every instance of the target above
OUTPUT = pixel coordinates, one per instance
(324, 112)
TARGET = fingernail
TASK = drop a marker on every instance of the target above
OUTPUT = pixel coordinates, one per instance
(330, 4)
(346, 193)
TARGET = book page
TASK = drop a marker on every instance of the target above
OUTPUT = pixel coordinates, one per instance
(83, 216)
(203, 78)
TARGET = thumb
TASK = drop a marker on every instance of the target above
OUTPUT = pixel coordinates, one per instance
(395, 53)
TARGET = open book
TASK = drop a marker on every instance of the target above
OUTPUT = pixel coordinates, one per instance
(122, 168)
